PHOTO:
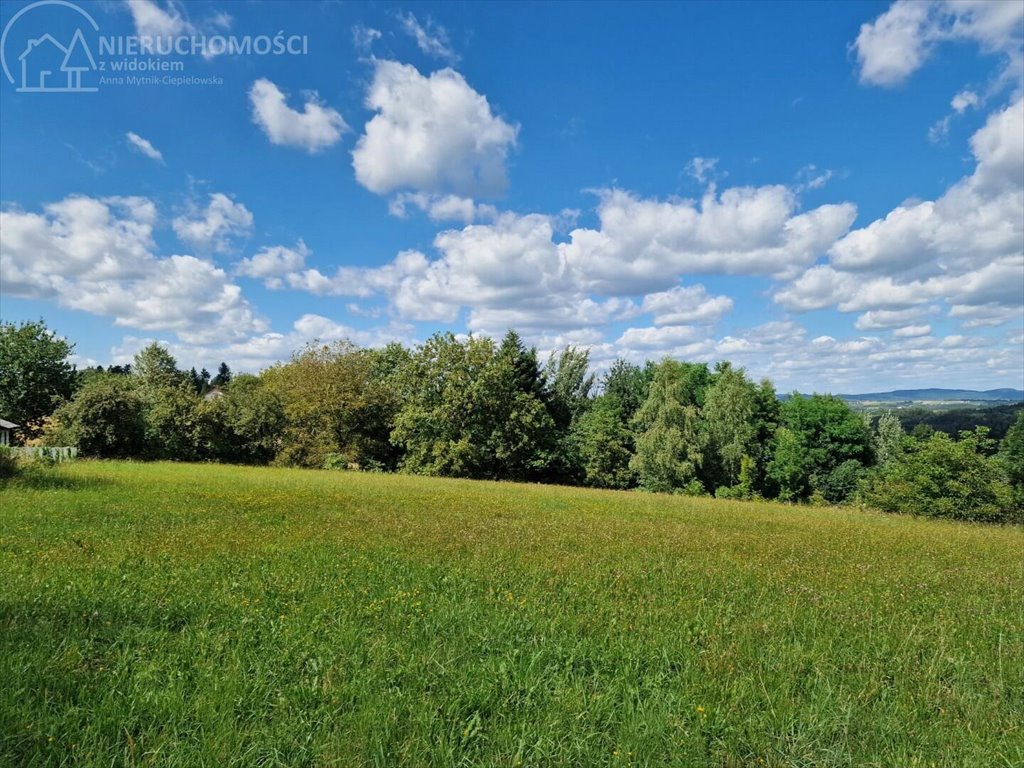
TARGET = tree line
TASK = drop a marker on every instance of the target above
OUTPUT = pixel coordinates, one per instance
(477, 407)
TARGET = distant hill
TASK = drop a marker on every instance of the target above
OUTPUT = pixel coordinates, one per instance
(936, 395)
(903, 395)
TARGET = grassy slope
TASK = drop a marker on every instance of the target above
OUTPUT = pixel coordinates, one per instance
(183, 615)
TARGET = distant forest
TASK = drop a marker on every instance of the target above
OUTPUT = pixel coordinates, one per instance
(997, 419)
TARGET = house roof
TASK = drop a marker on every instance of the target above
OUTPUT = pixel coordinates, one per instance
(213, 393)
(4, 424)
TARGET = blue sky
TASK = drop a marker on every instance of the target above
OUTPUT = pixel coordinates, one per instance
(829, 194)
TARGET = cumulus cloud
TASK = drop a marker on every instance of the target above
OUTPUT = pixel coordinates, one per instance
(442, 207)
(986, 315)
(519, 270)
(358, 281)
(492, 266)
(887, 318)
(966, 247)
(642, 244)
(189, 296)
(273, 262)
(658, 338)
(96, 255)
(144, 146)
(686, 304)
(313, 129)
(76, 239)
(213, 228)
(897, 43)
(911, 331)
(431, 134)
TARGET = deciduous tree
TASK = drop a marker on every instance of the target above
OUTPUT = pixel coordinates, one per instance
(669, 444)
(35, 374)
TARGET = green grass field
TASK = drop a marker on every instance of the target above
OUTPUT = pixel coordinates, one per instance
(193, 615)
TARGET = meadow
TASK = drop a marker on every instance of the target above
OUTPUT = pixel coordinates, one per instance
(203, 615)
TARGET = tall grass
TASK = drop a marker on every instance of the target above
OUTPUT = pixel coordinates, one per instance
(183, 615)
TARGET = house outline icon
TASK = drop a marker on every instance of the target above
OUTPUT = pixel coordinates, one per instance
(77, 58)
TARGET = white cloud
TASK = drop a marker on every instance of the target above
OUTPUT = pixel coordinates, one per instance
(493, 266)
(363, 37)
(512, 271)
(431, 134)
(662, 338)
(966, 247)
(684, 305)
(886, 318)
(559, 314)
(938, 133)
(702, 168)
(785, 352)
(986, 315)
(267, 347)
(910, 331)
(183, 294)
(313, 129)
(359, 281)
(897, 43)
(159, 21)
(442, 207)
(212, 229)
(812, 177)
(964, 100)
(431, 38)
(273, 262)
(976, 220)
(144, 146)
(999, 149)
(96, 255)
(643, 245)
(79, 239)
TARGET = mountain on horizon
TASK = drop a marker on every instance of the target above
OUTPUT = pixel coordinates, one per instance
(934, 394)
(900, 395)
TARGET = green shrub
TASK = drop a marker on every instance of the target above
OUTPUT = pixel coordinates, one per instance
(841, 483)
(9, 465)
(940, 477)
(693, 488)
(337, 461)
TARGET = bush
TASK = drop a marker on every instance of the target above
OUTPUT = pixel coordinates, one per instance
(105, 419)
(841, 483)
(337, 461)
(693, 488)
(940, 477)
(727, 492)
(8, 463)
